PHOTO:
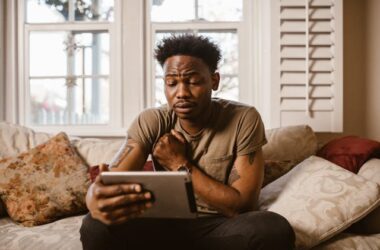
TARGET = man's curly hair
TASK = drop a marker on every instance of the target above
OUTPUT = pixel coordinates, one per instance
(191, 45)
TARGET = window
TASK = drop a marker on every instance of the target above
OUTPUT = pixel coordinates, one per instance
(70, 67)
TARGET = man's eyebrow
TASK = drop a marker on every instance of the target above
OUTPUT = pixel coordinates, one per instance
(190, 73)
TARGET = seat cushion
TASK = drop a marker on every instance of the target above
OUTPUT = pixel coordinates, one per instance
(320, 200)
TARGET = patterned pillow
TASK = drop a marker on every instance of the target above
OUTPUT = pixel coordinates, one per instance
(371, 223)
(48, 182)
(319, 199)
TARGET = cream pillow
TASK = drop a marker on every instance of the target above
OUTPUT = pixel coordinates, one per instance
(319, 199)
(371, 223)
(97, 151)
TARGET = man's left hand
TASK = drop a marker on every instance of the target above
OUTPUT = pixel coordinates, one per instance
(170, 150)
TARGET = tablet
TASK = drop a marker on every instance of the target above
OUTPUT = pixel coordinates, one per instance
(172, 191)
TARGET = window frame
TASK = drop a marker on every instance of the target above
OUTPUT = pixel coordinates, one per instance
(114, 28)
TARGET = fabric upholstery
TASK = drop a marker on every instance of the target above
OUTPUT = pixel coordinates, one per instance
(275, 169)
(45, 183)
(371, 223)
(350, 152)
(293, 143)
(319, 199)
(345, 241)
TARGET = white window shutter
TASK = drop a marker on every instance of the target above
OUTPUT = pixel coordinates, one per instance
(307, 75)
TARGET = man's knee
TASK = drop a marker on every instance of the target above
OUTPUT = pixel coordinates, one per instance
(271, 231)
(94, 234)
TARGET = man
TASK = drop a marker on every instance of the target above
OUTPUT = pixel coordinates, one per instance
(218, 141)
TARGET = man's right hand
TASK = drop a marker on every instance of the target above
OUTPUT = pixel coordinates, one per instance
(116, 204)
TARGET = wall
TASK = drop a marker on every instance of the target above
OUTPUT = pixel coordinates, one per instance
(361, 52)
(354, 65)
(373, 69)
(354, 71)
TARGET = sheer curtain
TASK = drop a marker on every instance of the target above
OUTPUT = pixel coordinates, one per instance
(8, 60)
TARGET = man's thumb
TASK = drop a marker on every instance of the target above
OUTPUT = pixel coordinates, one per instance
(103, 167)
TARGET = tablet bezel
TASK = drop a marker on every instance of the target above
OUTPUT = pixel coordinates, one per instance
(172, 191)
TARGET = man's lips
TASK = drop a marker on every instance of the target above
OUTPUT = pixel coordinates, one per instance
(184, 107)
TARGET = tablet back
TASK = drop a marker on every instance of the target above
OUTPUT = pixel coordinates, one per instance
(172, 192)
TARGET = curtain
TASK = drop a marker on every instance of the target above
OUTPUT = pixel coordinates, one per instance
(8, 60)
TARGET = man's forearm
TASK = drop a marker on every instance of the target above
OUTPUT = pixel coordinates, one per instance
(129, 157)
(225, 199)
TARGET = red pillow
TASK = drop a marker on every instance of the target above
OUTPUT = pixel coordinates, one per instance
(350, 152)
(94, 171)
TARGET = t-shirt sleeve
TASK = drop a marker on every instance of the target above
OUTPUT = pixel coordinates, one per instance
(147, 128)
(251, 133)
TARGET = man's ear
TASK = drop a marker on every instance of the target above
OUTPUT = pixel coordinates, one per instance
(215, 80)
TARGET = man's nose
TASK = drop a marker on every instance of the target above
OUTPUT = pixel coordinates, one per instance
(183, 90)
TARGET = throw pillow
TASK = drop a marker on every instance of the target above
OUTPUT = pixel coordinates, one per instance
(371, 223)
(319, 199)
(275, 169)
(350, 152)
(48, 182)
(294, 143)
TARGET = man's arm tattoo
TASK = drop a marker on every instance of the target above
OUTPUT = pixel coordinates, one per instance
(121, 155)
(251, 158)
(234, 176)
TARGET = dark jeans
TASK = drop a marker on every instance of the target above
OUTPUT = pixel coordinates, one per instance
(252, 230)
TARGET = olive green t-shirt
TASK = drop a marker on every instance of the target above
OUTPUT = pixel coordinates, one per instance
(234, 129)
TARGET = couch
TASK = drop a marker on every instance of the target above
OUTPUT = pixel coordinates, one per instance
(293, 174)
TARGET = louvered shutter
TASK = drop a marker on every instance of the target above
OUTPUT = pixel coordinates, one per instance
(307, 62)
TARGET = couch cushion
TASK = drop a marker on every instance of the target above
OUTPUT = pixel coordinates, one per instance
(350, 152)
(345, 241)
(293, 143)
(275, 169)
(62, 234)
(15, 139)
(319, 199)
(97, 151)
(47, 182)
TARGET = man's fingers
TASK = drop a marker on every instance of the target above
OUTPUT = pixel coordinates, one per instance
(127, 200)
(123, 214)
(179, 136)
(104, 191)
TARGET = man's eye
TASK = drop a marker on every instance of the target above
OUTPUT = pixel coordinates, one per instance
(170, 82)
(195, 81)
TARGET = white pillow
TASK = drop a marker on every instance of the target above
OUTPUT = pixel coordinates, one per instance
(97, 151)
(371, 223)
(371, 170)
(319, 199)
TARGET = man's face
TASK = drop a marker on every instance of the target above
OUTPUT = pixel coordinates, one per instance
(188, 85)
